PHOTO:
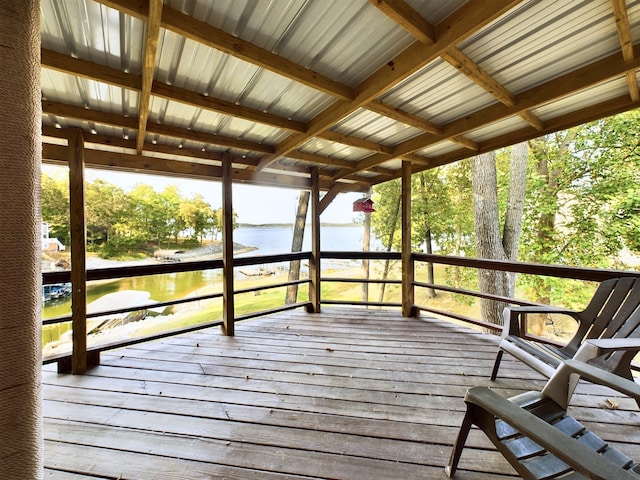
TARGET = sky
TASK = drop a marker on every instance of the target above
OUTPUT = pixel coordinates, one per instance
(253, 204)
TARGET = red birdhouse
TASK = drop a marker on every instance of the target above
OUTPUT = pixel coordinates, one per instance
(363, 205)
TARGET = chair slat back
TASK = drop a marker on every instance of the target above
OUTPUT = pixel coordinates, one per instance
(622, 303)
(605, 303)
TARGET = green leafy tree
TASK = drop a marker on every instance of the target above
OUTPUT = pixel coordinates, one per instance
(387, 198)
(583, 204)
(196, 214)
(145, 221)
(218, 222)
(55, 207)
(105, 207)
(169, 205)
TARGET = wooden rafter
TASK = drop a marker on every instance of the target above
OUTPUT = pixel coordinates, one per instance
(589, 75)
(403, 14)
(291, 157)
(404, 117)
(131, 162)
(148, 67)
(82, 68)
(574, 81)
(206, 34)
(125, 122)
(177, 22)
(85, 69)
(407, 17)
(475, 13)
(626, 44)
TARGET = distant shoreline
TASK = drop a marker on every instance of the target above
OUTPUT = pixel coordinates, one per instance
(290, 225)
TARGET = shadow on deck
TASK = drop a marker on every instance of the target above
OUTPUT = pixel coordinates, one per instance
(346, 394)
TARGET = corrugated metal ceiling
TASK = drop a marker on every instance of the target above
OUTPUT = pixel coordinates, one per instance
(349, 87)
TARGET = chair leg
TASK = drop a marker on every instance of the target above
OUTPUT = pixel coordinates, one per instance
(496, 365)
(451, 468)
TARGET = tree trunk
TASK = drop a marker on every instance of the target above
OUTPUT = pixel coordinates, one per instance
(487, 229)
(515, 208)
(545, 230)
(296, 245)
(392, 233)
(431, 293)
(489, 243)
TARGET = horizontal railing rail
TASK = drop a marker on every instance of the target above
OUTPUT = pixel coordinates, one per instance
(558, 271)
(360, 256)
(577, 273)
(168, 268)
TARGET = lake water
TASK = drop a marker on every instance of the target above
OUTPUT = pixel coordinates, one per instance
(267, 240)
(274, 240)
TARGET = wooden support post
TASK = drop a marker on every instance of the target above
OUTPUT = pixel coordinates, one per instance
(407, 263)
(228, 310)
(314, 264)
(366, 247)
(79, 362)
(21, 425)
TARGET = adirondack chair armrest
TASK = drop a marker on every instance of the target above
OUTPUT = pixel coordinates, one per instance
(566, 448)
(515, 318)
(602, 377)
(605, 345)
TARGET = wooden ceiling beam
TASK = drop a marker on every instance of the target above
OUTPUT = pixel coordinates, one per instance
(100, 73)
(132, 162)
(152, 35)
(626, 44)
(574, 81)
(206, 34)
(206, 102)
(403, 14)
(478, 75)
(317, 159)
(355, 142)
(411, 20)
(465, 142)
(105, 118)
(592, 113)
(403, 117)
(469, 18)
(88, 115)
(212, 156)
(81, 68)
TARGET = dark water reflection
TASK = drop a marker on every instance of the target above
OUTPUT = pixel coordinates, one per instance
(162, 288)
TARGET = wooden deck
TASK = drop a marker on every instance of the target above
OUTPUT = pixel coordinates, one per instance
(346, 394)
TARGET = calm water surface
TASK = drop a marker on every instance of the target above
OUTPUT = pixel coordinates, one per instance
(172, 286)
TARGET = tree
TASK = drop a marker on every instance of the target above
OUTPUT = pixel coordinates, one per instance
(387, 198)
(490, 242)
(582, 209)
(145, 220)
(170, 201)
(196, 215)
(55, 208)
(105, 210)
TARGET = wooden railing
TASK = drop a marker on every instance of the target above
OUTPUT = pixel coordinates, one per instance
(363, 257)
(417, 259)
(157, 269)
(574, 273)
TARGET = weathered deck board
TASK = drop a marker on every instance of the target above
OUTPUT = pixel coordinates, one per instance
(345, 394)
